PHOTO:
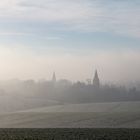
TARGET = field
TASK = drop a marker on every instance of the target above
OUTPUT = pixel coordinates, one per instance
(71, 120)
(94, 121)
(91, 107)
(93, 115)
(70, 134)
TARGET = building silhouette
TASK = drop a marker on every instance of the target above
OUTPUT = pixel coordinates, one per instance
(96, 81)
(54, 78)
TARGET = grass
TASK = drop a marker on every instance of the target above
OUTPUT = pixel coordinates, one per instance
(71, 120)
(70, 134)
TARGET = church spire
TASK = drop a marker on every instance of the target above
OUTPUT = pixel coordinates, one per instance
(96, 81)
(54, 78)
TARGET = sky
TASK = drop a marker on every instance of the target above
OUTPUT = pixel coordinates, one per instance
(70, 37)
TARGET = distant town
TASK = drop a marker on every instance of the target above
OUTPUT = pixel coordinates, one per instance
(65, 91)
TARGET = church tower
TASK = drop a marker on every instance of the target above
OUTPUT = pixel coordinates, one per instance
(54, 78)
(96, 81)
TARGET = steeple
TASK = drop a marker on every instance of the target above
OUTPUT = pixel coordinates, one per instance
(96, 81)
(54, 78)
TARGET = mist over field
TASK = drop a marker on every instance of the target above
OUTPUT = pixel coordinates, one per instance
(70, 63)
(41, 104)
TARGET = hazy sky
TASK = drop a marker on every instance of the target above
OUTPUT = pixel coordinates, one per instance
(70, 37)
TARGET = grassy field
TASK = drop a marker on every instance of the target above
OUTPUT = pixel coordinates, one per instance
(91, 107)
(70, 134)
(71, 120)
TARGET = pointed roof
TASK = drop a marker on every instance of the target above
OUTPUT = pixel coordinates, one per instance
(96, 75)
(54, 77)
(96, 81)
